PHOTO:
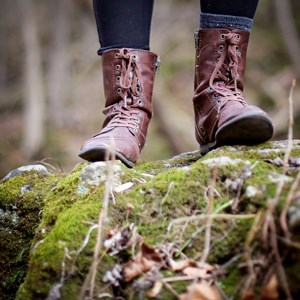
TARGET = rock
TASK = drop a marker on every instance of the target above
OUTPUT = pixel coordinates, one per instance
(96, 173)
(18, 171)
(49, 223)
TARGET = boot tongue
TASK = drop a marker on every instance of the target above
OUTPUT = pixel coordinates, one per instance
(226, 70)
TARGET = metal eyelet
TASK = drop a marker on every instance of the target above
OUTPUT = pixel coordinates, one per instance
(209, 89)
(118, 67)
(140, 102)
(222, 36)
(134, 56)
(215, 96)
(114, 108)
(237, 48)
(237, 36)
(117, 55)
(118, 78)
(221, 48)
(119, 90)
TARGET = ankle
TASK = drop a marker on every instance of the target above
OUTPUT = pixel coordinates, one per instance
(225, 21)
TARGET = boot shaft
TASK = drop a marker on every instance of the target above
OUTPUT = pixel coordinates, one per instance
(129, 74)
(215, 44)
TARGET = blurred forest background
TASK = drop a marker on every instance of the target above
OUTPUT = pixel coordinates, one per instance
(51, 95)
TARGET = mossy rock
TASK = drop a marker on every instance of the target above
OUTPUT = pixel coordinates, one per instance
(48, 221)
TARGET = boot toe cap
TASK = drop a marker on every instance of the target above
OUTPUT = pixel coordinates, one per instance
(102, 148)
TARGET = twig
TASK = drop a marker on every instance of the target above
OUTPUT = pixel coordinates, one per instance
(166, 195)
(288, 201)
(101, 223)
(213, 216)
(91, 276)
(269, 227)
(274, 202)
(289, 242)
(236, 201)
(251, 235)
(169, 287)
(85, 242)
(178, 278)
(210, 208)
(43, 161)
(281, 271)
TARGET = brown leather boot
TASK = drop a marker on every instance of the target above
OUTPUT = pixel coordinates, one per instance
(128, 82)
(222, 116)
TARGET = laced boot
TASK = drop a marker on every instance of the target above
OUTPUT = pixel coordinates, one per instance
(222, 116)
(128, 82)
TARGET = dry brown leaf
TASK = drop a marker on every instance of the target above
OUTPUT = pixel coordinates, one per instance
(195, 272)
(150, 253)
(270, 291)
(144, 261)
(136, 267)
(198, 270)
(201, 291)
(155, 289)
(179, 265)
(248, 295)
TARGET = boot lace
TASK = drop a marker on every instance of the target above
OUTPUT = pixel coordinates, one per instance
(224, 76)
(125, 114)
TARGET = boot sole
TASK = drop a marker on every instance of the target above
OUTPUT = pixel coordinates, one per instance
(247, 129)
(99, 154)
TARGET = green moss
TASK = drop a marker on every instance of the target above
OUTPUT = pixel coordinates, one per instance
(155, 204)
(21, 201)
(230, 283)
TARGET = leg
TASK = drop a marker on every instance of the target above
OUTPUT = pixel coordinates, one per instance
(230, 7)
(123, 24)
(222, 116)
(128, 74)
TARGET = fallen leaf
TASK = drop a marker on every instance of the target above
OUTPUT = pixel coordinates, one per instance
(136, 267)
(248, 295)
(270, 291)
(150, 253)
(195, 272)
(144, 261)
(155, 289)
(201, 291)
(113, 276)
(202, 271)
(179, 265)
(123, 187)
(118, 241)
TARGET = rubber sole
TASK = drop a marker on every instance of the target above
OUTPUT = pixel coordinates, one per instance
(247, 129)
(100, 154)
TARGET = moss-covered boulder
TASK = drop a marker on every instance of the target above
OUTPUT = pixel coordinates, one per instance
(225, 223)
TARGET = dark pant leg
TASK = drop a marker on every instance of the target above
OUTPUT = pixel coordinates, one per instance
(123, 23)
(242, 8)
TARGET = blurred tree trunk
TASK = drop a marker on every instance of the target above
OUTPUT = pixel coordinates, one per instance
(58, 72)
(288, 30)
(34, 104)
